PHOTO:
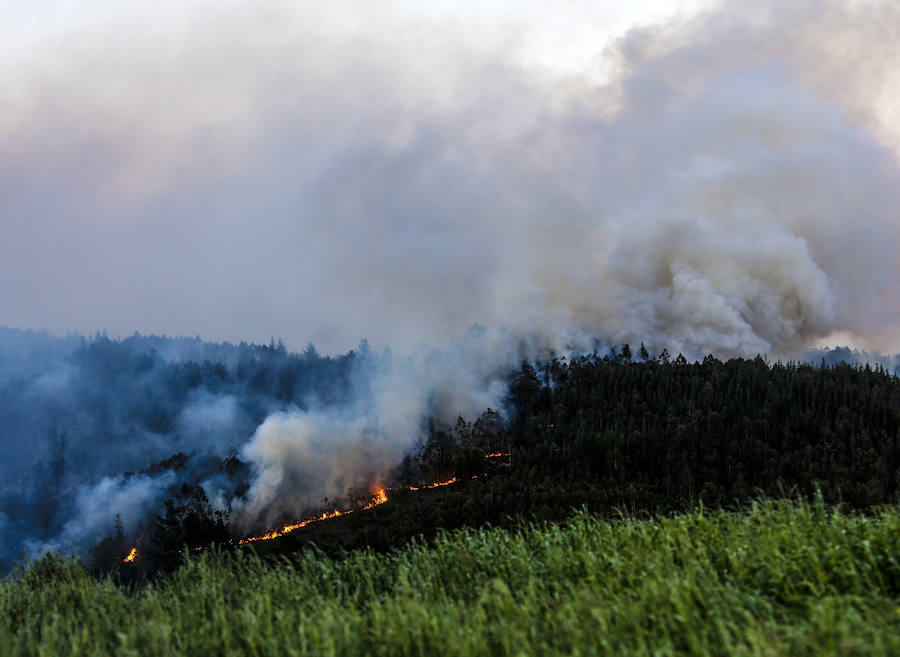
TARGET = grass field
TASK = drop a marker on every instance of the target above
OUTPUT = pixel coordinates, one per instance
(778, 579)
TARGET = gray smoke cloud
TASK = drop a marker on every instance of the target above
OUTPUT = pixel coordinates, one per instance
(728, 193)
(241, 173)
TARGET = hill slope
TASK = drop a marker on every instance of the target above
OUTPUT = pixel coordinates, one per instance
(780, 579)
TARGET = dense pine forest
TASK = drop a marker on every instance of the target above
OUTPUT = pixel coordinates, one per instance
(654, 436)
(615, 431)
(610, 434)
(663, 435)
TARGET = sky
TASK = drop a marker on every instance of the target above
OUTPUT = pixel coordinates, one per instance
(703, 176)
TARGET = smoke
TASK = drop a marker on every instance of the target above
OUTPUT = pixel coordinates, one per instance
(111, 428)
(93, 429)
(133, 500)
(729, 184)
(301, 458)
(730, 191)
(749, 202)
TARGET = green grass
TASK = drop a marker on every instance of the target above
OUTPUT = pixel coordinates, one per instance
(779, 579)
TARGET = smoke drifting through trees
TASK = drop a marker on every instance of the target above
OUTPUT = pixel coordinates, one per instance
(98, 434)
(82, 425)
(102, 432)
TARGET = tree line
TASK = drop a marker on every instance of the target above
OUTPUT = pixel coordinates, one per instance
(612, 433)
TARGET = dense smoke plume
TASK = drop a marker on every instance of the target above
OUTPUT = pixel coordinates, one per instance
(89, 429)
(729, 185)
(99, 429)
(299, 457)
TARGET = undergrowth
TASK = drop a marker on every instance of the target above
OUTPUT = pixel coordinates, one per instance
(777, 579)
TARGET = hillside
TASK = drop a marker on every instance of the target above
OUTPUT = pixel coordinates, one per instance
(777, 579)
(609, 435)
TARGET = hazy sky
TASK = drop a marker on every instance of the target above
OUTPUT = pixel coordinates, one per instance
(247, 170)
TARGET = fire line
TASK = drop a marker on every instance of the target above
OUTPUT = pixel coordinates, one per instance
(379, 497)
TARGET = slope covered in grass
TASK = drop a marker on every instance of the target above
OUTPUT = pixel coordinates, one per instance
(791, 579)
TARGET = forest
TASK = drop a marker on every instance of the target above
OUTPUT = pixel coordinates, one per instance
(142, 443)
(609, 434)
(95, 427)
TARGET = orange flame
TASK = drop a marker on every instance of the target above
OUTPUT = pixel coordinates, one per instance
(131, 556)
(380, 497)
(435, 484)
(494, 455)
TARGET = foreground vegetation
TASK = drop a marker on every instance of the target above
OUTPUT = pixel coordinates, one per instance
(776, 579)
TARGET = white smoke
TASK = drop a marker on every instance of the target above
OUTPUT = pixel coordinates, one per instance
(730, 192)
(302, 458)
(738, 200)
(132, 498)
(212, 422)
(731, 186)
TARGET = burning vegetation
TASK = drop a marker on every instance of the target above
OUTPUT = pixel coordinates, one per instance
(600, 432)
(379, 496)
(436, 484)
